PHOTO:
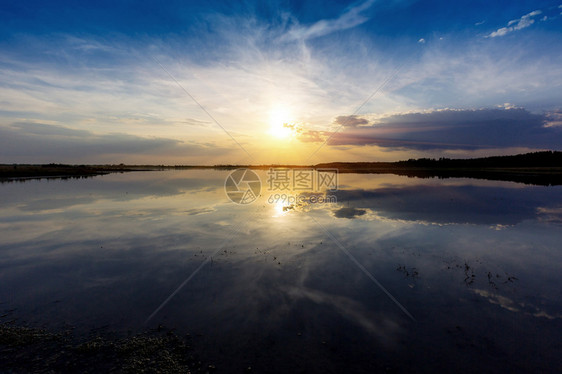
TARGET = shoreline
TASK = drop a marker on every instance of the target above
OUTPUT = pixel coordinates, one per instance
(542, 176)
(540, 168)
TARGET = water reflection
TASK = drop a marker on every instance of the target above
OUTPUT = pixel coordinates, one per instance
(476, 262)
(488, 205)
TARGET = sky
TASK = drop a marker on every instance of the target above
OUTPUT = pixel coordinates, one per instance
(260, 82)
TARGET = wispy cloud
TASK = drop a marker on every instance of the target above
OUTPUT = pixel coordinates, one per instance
(350, 18)
(516, 24)
(381, 326)
(514, 306)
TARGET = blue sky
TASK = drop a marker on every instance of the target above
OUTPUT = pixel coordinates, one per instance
(277, 81)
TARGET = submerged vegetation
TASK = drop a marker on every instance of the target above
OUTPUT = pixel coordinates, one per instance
(32, 350)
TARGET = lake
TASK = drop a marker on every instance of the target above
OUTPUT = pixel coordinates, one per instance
(392, 274)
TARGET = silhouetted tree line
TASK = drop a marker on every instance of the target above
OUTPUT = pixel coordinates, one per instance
(534, 159)
(539, 168)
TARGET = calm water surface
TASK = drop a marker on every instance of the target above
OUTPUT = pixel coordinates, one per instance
(477, 264)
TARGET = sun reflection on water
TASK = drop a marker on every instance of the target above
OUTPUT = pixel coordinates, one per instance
(281, 208)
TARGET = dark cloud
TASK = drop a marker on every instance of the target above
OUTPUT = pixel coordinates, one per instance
(41, 141)
(455, 129)
(314, 136)
(351, 121)
(349, 213)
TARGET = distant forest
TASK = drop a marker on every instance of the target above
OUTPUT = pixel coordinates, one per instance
(539, 168)
(535, 159)
(545, 159)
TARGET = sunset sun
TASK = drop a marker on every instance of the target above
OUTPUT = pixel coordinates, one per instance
(280, 126)
(281, 130)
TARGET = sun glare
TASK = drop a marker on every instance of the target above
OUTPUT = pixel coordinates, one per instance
(280, 124)
(281, 208)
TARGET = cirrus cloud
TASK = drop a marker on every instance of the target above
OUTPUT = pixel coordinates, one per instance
(350, 18)
(516, 24)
